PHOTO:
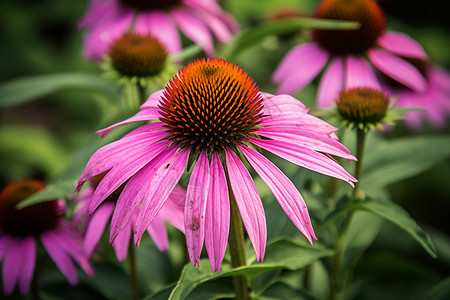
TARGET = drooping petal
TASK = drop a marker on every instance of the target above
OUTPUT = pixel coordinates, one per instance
(194, 213)
(305, 157)
(284, 191)
(5, 242)
(159, 25)
(303, 122)
(359, 73)
(217, 216)
(122, 242)
(331, 84)
(96, 226)
(112, 154)
(398, 69)
(12, 265)
(28, 265)
(136, 189)
(157, 231)
(173, 210)
(300, 67)
(60, 257)
(143, 115)
(194, 29)
(248, 202)
(401, 44)
(317, 142)
(216, 25)
(167, 174)
(276, 105)
(121, 172)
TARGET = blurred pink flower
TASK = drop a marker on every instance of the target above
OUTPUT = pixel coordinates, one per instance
(212, 116)
(21, 229)
(172, 212)
(433, 104)
(107, 20)
(352, 54)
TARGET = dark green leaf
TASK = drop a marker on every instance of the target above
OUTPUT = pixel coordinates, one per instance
(395, 214)
(281, 290)
(30, 88)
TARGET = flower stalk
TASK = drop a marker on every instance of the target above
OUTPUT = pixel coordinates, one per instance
(134, 276)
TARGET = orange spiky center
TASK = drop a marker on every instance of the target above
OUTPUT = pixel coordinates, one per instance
(143, 5)
(211, 105)
(366, 12)
(136, 54)
(362, 105)
(33, 219)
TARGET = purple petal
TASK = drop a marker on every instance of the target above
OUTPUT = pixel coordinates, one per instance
(305, 157)
(142, 115)
(167, 174)
(299, 67)
(401, 44)
(60, 257)
(398, 69)
(112, 154)
(28, 264)
(307, 138)
(157, 230)
(284, 191)
(194, 213)
(173, 210)
(158, 24)
(122, 242)
(194, 29)
(248, 202)
(12, 265)
(282, 105)
(298, 122)
(360, 74)
(217, 216)
(122, 171)
(136, 189)
(153, 100)
(331, 84)
(5, 242)
(217, 26)
(96, 226)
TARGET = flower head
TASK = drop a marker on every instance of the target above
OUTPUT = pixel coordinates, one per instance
(138, 58)
(95, 224)
(352, 55)
(107, 20)
(212, 116)
(19, 229)
(363, 108)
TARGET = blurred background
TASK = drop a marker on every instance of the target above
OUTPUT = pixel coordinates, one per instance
(37, 137)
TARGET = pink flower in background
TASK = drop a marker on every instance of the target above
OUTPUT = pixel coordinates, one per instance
(433, 104)
(21, 229)
(211, 118)
(172, 212)
(199, 20)
(352, 54)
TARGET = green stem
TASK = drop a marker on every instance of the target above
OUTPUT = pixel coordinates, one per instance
(337, 284)
(236, 243)
(134, 277)
(34, 293)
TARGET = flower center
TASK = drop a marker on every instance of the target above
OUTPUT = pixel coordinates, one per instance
(366, 12)
(32, 219)
(211, 105)
(138, 55)
(362, 105)
(150, 4)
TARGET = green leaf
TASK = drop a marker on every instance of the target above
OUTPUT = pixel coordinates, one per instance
(251, 37)
(395, 214)
(288, 292)
(394, 160)
(287, 254)
(26, 89)
(33, 146)
(56, 190)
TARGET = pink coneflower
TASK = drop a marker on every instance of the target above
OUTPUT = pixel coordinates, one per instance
(107, 20)
(21, 228)
(211, 116)
(433, 104)
(352, 54)
(171, 212)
